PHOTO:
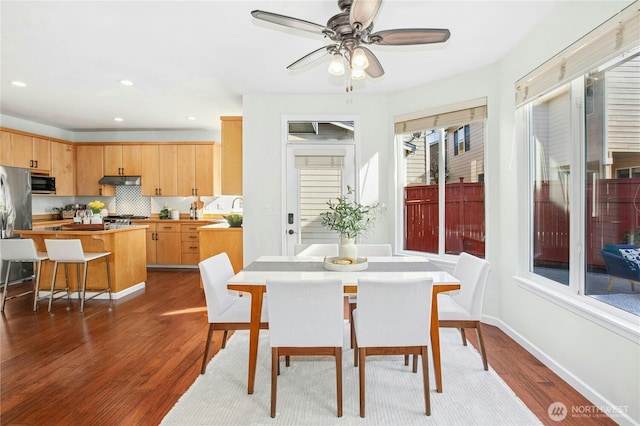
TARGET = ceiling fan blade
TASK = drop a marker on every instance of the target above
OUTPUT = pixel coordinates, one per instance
(374, 69)
(409, 36)
(363, 13)
(311, 57)
(290, 22)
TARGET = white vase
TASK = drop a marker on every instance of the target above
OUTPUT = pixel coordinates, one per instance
(96, 219)
(347, 248)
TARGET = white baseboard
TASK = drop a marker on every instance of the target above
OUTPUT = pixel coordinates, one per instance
(104, 296)
(616, 413)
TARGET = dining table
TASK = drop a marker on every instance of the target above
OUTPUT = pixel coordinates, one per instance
(252, 280)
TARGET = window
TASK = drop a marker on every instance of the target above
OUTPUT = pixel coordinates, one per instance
(583, 132)
(444, 211)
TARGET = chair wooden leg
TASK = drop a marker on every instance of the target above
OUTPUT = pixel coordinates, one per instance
(406, 359)
(481, 344)
(84, 286)
(355, 353)
(36, 296)
(352, 306)
(425, 378)
(207, 349)
(362, 356)
(53, 283)
(338, 355)
(274, 380)
(415, 364)
(464, 337)
(224, 339)
(610, 283)
(287, 361)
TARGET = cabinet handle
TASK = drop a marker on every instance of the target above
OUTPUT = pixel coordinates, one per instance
(100, 191)
(30, 163)
(159, 191)
(191, 247)
(196, 192)
(36, 164)
(192, 236)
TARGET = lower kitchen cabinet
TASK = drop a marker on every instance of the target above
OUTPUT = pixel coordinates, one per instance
(215, 239)
(168, 244)
(190, 244)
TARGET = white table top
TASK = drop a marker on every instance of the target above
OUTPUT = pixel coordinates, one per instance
(348, 278)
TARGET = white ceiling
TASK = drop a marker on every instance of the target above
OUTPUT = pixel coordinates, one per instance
(198, 58)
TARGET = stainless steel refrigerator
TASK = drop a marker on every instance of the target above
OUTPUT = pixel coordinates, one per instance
(15, 214)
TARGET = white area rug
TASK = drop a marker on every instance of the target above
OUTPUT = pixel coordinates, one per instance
(306, 391)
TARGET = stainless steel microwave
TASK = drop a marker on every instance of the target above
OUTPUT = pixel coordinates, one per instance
(43, 184)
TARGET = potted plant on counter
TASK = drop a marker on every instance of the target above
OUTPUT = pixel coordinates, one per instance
(350, 219)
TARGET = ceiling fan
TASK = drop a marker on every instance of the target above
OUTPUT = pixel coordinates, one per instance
(351, 31)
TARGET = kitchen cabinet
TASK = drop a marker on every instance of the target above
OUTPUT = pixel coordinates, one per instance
(215, 239)
(190, 245)
(231, 135)
(196, 169)
(167, 240)
(122, 160)
(63, 168)
(159, 170)
(6, 157)
(28, 152)
(89, 170)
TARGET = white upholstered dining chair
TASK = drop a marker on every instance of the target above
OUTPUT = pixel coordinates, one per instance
(329, 250)
(464, 309)
(306, 318)
(393, 318)
(365, 250)
(225, 310)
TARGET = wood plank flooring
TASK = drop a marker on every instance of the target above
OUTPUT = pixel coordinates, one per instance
(128, 363)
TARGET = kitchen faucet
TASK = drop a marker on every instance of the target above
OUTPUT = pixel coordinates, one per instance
(233, 203)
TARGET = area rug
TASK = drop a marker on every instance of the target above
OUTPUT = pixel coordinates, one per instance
(306, 391)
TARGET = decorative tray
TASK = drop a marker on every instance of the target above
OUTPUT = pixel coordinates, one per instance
(85, 227)
(345, 264)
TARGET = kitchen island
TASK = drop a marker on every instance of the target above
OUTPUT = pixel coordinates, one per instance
(127, 265)
(218, 238)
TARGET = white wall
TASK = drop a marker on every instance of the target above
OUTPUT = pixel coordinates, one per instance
(263, 162)
(602, 364)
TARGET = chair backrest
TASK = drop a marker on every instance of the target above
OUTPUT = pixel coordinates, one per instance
(16, 249)
(64, 250)
(306, 313)
(393, 312)
(473, 273)
(330, 250)
(374, 250)
(216, 271)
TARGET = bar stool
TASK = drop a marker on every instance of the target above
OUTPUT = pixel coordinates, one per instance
(70, 251)
(21, 250)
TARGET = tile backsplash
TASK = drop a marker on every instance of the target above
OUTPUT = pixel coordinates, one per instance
(130, 201)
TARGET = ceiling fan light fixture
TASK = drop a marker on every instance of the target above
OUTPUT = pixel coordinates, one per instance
(359, 60)
(357, 74)
(336, 66)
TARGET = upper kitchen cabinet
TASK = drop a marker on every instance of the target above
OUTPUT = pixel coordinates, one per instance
(196, 171)
(122, 160)
(159, 170)
(26, 151)
(89, 170)
(231, 155)
(63, 160)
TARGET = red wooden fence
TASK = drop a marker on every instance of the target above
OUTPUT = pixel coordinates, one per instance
(464, 218)
(616, 214)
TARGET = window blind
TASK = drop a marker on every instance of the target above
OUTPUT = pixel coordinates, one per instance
(613, 38)
(444, 117)
(323, 159)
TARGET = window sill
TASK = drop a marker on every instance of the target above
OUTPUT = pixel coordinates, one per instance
(616, 320)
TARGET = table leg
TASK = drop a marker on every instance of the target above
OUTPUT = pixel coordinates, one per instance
(254, 333)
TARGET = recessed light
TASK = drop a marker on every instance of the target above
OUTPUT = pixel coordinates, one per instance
(118, 119)
(19, 83)
(192, 118)
(126, 82)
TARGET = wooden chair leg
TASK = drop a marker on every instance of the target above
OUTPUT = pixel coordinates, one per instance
(287, 361)
(274, 380)
(224, 339)
(338, 355)
(481, 344)
(207, 349)
(610, 283)
(362, 356)
(415, 364)
(425, 378)
(464, 337)
(352, 307)
(406, 360)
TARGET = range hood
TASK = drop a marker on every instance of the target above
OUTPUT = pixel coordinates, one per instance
(120, 180)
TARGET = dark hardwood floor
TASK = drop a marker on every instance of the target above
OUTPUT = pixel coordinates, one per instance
(128, 363)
